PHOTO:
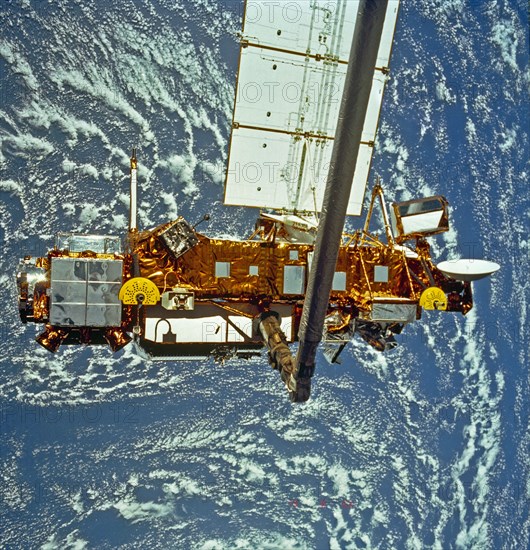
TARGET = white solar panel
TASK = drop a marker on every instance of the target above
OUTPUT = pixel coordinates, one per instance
(320, 27)
(292, 68)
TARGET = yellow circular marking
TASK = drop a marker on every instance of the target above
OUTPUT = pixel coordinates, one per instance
(433, 298)
(139, 286)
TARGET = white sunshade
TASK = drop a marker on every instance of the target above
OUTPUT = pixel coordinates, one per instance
(291, 76)
(419, 223)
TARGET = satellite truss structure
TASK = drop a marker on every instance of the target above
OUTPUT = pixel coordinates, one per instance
(308, 95)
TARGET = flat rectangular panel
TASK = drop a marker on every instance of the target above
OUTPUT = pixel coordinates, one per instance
(68, 315)
(256, 172)
(426, 216)
(339, 281)
(103, 293)
(380, 274)
(103, 315)
(187, 329)
(68, 269)
(203, 325)
(268, 180)
(100, 244)
(293, 279)
(318, 27)
(103, 287)
(222, 269)
(84, 292)
(290, 84)
(387, 38)
(417, 223)
(404, 313)
(279, 91)
(374, 106)
(360, 177)
(105, 270)
(68, 292)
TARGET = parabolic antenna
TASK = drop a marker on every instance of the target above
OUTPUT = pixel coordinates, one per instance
(468, 270)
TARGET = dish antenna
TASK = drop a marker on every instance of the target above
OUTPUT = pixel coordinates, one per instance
(468, 270)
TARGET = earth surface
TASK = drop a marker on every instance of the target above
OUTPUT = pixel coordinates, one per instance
(426, 446)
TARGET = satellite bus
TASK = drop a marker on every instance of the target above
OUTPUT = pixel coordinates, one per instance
(309, 90)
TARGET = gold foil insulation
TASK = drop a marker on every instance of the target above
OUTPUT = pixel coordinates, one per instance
(196, 269)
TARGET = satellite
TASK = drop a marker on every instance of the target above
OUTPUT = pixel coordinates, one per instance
(309, 91)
